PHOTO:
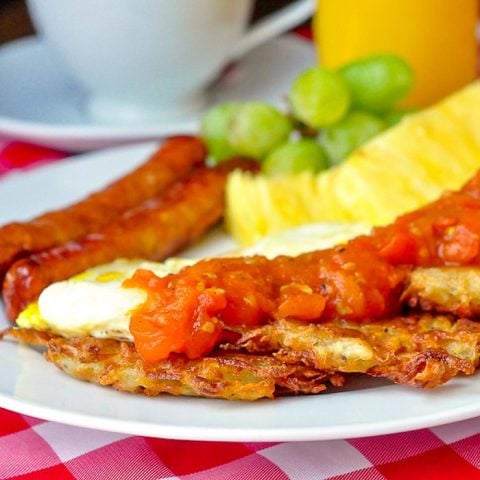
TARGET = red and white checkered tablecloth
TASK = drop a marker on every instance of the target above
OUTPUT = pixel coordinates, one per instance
(35, 449)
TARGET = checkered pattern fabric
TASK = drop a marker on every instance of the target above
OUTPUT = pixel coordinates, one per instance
(33, 449)
(37, 450)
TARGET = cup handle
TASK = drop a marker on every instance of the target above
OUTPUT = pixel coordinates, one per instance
(273, 25)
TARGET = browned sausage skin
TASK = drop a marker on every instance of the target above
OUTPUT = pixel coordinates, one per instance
(171, 162)
(154, 230)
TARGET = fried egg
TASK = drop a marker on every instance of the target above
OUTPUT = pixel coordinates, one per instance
(94, 303)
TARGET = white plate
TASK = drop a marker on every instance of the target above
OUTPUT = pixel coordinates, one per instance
(31, 386)
(40, 104)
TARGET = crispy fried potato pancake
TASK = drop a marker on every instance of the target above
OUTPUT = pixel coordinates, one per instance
(421, 351)
(454, 290)
(283, 357)
(232, 376)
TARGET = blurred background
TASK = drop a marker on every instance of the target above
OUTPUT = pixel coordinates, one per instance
(15, 22)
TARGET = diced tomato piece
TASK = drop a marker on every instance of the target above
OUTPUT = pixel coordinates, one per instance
(460, 246)
(400, 248)
(302, 306)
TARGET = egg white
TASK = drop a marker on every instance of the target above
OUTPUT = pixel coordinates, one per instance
(94, 303)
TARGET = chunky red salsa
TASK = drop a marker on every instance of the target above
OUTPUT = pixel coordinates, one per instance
(360, 281)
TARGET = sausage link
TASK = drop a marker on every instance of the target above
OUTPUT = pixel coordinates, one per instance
(171, 162)
(154, 230)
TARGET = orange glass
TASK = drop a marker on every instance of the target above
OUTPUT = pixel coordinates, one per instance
(437, 38)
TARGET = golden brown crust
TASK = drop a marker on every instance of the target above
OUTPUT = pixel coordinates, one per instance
(172, 161)
(281, 358)
(29, 335)
(418, 351)
(454, 290)
(232, 376)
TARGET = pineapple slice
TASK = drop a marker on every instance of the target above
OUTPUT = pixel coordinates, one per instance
(406, 166)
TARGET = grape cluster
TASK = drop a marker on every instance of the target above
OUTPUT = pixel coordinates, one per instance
(330, 114)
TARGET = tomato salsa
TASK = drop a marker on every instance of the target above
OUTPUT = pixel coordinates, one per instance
(359, 281)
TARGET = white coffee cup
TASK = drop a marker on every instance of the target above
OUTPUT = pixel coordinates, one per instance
(142, 61)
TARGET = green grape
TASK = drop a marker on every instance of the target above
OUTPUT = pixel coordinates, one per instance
(257, 128)
(344, 137)
(393, 117)
(376, 83)
(295, 157)
(214, 129)
(319, 97)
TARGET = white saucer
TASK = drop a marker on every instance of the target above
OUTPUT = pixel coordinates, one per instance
(40, 104)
